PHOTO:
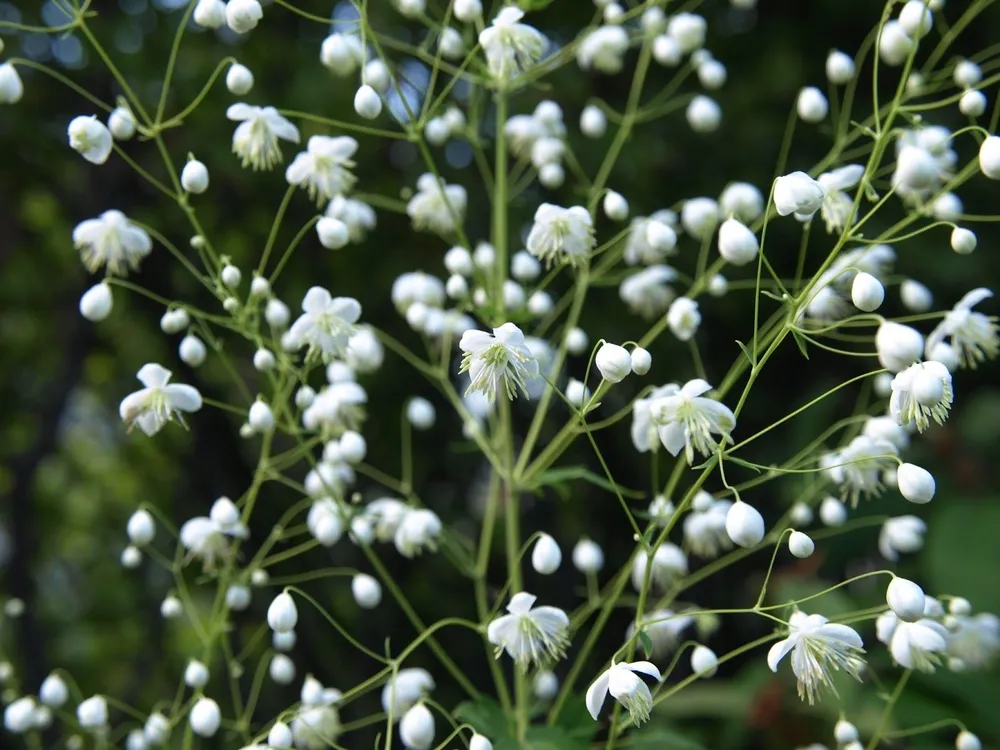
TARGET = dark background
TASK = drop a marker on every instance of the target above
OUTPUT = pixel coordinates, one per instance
(70, 477)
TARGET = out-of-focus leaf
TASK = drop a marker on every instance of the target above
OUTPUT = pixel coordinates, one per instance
(486, 715)
(956, 531)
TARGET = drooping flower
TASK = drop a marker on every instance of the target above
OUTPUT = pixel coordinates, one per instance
(920, 393)
(664, 628)
(357, 215)
(603, 49)
(255, 139)
(324, 168)
(336, 408)
(317, 723)
(648, 293)
(529, 635)
(499, 362)
(974, 639)
(625, 687)
(404, 690)
(645, 436)
(437, 206)
(111, 240)
(913, 645)
(858, 467)
(90, 138)
(326, 323)
(901, 534)
(705, 527)
(159, 402)
(838, 207)
(510, 46)
(798, 193)
(818, 647)
(686, 421)
(669, 563)
(561, 234)
(418, 530)
(651, 238)
(973, 335)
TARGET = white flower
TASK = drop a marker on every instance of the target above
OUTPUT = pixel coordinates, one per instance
(650, 238)
(920, 393)
(613, 362)
(838, 207)
(744, 524)
(669, 563)
(342, 53)
(317, 723)
(645, 436)
(159, 402)
(324, 167)
(437, 206)
(243, 15)
(664, 628)
(255, 139)
(798, 193)
(111, 240)
(561, 234)
(972, 335)
(416, 730)
(603, 49)
(625, 687)
(205, 716)
(898, 346)
(683, 318)
(648, 293)
(817, 647)
(737, 244)
(915, 483)
(510, 46)
(497, 363)
(210, 14)
(705, 527)
(975, 639)
(11, 86)
(19, 715)
(858, 467)
(337, 407)
(529, 635)
(326, 323)
(91, 138)
(913, 645)
(742, 201)
(418, 530)
(93, 712)
(901, 534)
(404, 690)
(357, 215)
(687, 421)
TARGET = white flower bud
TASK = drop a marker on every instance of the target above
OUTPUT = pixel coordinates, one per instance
(467, 11)
(689, 31)
(989, 157)
(458, 261)
(660, 236)
(436, 131)
(545, 685)
(832, 512)
(263, 360)
(205, 716)
(703, 114)
(171, 608)
(367, 102)
(915, 483)
(966, 740)
(131, 558)
(867, 292)
(744, 525)
(704, 662)
(353, 447)
(260, 417)
(196, 674)
(737, 244)
(280, 736)
(973, 103)
(551, 175)
(800, 544)
(141, 528)
(11, 87)
(798, 193)
(239, 79)
(577, 341)
(718, 285)
(839, 67)
(242, 17)
(420, 413)
(194, 177)
(915, 296)
(577, 393)
(894, 45)
(540, 303)
(593, 122)
(845, 732)
(898, 346)
(230, 305)
(93, 712)
(416, 729)
(174, 321)
(642, 360)
(156, 731)
(916, 19)
(304, 397)
(712, 74)
(366, 590)
(588, 557)
(277, 314)
(230, 275)
(333, 233)
(53, 691)
(906, 599)
(210, 14)
(282, 669)
(19, 715)
(238, 597)
(283, 641)
(683, 318)
(615, 206)
(801, 514)
(121, 123)
(546, 557)
(91, 138)
(667, 51)
(963, 241)
(96, 302)
(960, 606)
(192, 351)
(479, 742)
(282, 616)
(614, 362)
(811, 105)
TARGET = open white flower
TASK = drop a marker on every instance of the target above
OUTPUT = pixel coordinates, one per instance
(529, 635)
(111, 240)
(817, 647)
(497, 363)
(90, 138)
(625, 687)
(603, 49)
(972, 335)
(510, 46)
(437, 206)
(838, 207)
(651, 238)
(920, 393)
(317, 723)
(326, 323)
(159, 402)
(686, 421)
(645, 435)
(798, 193)
(324, 168)
(418, 530)
(913, 645)
(664, 628)
(255, 139)
(336, 408)
(858, 467)
(561, 234)
(648, 293)
(357, 215)
(901, 534)
(974, 639)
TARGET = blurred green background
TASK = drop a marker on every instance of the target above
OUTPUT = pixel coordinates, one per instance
(70, 476)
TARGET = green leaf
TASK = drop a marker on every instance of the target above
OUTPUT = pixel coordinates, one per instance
(746, 352)
(554, 738)
(646, 642)
(801, 343)
(527, 5)
(964, 531)
(486, 716)
(657, 738)
(561, 475)
(575, 719)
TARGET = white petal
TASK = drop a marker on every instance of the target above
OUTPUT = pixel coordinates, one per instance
(778, 651)
(596, 694)
(521, 603)
(240, 111)
(498, 630)
(183, 397)
(316, 300)
(673, 438)
(645, 667)
(153, 375)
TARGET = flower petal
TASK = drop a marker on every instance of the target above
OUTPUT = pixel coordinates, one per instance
(778, 652)
(183, 397)
(241, 111)
(596, 694)
(153, 375)
(645, 667)
(498, 630)
(316, 300)
(521, 603)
